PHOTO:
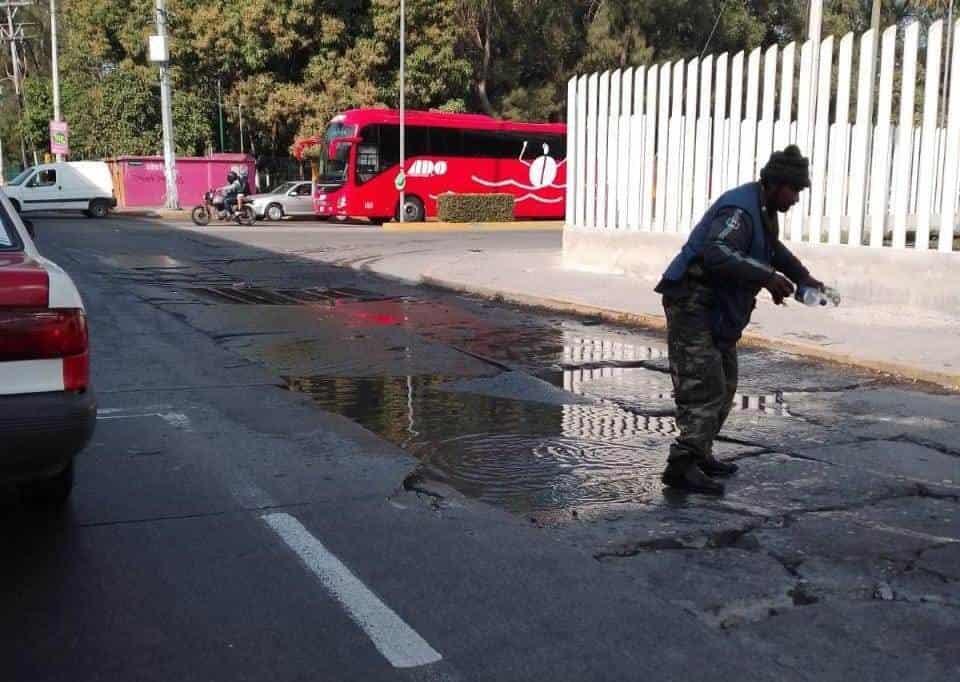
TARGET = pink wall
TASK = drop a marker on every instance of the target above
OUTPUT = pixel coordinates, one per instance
(144, 185)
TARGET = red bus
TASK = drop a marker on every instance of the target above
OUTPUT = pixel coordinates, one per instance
(461, 153)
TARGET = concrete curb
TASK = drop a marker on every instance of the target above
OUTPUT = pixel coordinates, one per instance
(166, 214)
(942, 379)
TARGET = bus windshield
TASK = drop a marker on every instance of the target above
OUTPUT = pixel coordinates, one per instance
(334, 171)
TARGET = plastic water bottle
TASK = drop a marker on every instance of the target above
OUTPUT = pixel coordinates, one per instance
(812, 296)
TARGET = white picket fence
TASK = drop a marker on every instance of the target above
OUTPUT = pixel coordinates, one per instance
(651, 147)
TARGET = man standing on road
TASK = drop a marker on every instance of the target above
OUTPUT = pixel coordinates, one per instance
(709, 291)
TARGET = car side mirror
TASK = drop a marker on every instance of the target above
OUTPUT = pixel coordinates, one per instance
(31, 230)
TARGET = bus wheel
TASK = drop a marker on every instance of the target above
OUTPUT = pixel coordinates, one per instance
(413, 211)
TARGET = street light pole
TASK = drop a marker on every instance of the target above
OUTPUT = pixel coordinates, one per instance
(220, 111)
(949, 60)
(814, 30)
(12, 36)
(240, 110)
(403, 136)
(169, 161)
(54, 66)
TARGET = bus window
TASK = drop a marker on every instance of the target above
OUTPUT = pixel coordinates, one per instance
(491, 144)
(368, 162)
(418, 141)
(389, 146)
(446, 142)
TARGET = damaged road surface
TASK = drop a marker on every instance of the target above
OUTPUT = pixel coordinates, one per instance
(304, 472)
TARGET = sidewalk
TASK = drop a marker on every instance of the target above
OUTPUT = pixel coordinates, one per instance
(526, 267)
(913, 344)
(152, 212)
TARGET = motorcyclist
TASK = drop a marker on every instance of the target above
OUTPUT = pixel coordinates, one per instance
(230, 191)
(244, 184)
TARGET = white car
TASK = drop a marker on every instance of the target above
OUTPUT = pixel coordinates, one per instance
(293, 198)
(47, 407)
(85, 186)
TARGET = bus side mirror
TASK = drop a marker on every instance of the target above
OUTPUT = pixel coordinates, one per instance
(339, 148)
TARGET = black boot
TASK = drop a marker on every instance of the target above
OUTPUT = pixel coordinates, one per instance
(690, 478)
(712, 466)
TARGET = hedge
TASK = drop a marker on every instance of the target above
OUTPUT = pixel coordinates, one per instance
(475, 208)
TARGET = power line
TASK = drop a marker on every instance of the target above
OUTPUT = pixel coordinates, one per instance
(714, 30)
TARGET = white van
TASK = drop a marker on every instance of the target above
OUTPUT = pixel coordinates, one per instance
(70, 186)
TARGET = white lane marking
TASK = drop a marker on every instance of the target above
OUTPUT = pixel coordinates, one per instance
(177, 420)
(396, 640)
(133, 411)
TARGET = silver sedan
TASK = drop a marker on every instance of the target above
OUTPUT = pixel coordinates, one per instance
(288, 199)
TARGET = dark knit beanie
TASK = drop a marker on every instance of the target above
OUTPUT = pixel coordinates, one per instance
(788, 167)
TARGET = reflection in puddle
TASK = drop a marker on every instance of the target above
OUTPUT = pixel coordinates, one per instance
(503, 442)
(579, 351)
(645, 391)
(588, 422)
(524, 456)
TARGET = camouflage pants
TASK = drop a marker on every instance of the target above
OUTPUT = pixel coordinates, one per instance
(704, 376)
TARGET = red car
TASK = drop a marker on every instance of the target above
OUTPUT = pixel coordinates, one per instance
(47, 407)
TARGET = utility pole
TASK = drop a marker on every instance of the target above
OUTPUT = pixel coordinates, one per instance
(162, 57)
(875, 27)
(54, 66)
(814, 30)
(948, 64)
(14, 35)
(240, 110)
(220, 110)
(2, 176)
(401, 184)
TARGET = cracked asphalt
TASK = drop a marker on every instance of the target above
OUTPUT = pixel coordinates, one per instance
(488, 472)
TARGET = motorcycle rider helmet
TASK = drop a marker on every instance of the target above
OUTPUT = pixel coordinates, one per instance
(231, 177)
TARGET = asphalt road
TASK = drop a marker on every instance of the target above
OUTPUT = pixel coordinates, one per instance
(224, 528)
(304, 472)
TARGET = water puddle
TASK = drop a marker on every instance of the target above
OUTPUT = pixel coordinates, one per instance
(523, 455)
(527, 414)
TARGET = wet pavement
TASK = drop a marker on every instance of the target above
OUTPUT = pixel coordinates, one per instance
(849, 485)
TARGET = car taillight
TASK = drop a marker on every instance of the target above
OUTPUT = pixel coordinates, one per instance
(30, 334)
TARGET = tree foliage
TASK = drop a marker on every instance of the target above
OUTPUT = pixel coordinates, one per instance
(289, 65)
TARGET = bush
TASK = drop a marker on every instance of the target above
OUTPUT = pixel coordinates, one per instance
(475, 208)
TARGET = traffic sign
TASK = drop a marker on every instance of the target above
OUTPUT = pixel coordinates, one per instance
(59, 134)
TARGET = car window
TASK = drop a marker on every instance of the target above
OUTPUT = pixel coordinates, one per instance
(303, 191)
(44, 178)
(9, 238)
(20, 178)
(283, 189)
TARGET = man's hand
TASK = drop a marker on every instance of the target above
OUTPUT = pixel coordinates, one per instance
(779, 287)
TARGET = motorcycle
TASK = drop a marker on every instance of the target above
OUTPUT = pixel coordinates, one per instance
(213, 206)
